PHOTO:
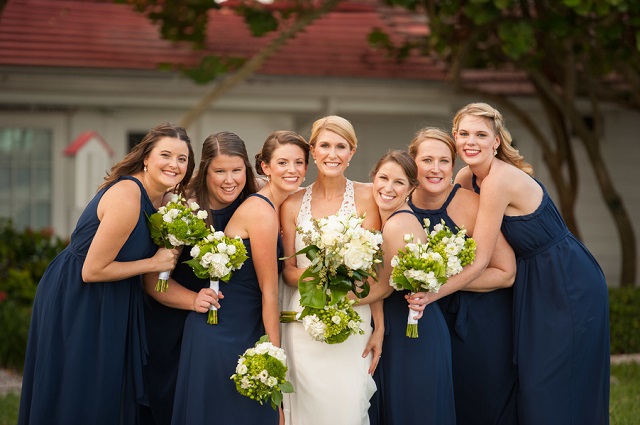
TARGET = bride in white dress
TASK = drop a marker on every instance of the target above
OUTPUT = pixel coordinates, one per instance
(332, 382)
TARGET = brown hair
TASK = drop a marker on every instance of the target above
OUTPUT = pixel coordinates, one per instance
(133, 162)
(337, 125)
(404, 160)
(432, 133)
(277, 139)
(222, 143)
(506, 152)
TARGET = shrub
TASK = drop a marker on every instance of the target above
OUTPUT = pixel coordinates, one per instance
(624, 316)
(24, 256)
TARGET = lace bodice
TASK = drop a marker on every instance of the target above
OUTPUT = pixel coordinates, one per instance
(303, 220)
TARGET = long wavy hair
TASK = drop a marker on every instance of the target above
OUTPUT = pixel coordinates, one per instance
(133, 162)
(506, 152)
(222, 143)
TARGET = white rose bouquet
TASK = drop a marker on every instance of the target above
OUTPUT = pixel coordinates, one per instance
(332, 324)
(261, 373)
(216, 257)
(427, 266)
(174, 225)
(343, 256)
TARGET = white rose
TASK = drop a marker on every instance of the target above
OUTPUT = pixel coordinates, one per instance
(174, 198)
(336, 319)
(314, 327)
(174, 241)
(195, 251)
(221, 247)
(272, 382)
(194, 206)
(241, 369)
(218, 235)
(245, 383)
(218, 264)
(206, 259)
(202, 214)
(231, 249)
(355, 258)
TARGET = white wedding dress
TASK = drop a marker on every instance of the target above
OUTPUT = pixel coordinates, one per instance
(331, 381)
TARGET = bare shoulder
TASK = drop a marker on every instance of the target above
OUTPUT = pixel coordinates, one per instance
(400, 224)
(463, 177)
(362, 189)
(124, 192)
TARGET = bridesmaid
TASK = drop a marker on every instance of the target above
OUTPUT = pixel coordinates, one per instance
(224, 179)
(204, 392)
(86, 342)
(479, 317)
(416, 385)
(561, 312)
(332, 382)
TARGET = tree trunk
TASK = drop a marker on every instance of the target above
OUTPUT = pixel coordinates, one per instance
(613, 201)
(255, 62)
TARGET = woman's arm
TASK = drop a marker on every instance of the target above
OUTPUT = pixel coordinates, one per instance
(367, 206)
(177, 296)
(263, 236)
(500, 272)
(118, 212)
(377, 336)
(288, 215)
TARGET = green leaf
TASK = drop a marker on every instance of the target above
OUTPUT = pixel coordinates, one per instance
(286, 387)
(312, 294)
(260, 21)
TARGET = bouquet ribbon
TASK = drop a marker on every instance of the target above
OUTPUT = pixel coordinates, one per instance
(412, 324)
(212, 318)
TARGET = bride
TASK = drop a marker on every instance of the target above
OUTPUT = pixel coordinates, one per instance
(332, 382)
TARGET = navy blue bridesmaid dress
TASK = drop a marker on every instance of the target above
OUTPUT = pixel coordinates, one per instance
(561, 322)
(414, 374)
(204, 392)
(164, 334)
(481, 329)
(86, 341)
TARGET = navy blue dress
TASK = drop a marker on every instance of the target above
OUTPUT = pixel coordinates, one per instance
(204, 392)
(86, 342)
(414, 374)
(164, 334)
(561, 322)
(481, 329)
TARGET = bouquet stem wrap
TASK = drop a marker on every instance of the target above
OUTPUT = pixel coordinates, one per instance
(412, 324)
(163, 282)
(212, 319)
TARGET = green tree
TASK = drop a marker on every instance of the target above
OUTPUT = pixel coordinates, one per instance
(187, 21)
(575, 55)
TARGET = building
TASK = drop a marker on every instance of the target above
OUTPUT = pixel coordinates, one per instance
(69, 69)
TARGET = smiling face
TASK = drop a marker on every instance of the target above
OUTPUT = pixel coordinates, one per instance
(475, 140)
(332, 153)
(391, 187)
(435, 166)
(167, 162)
(226, 178)
(287, 167)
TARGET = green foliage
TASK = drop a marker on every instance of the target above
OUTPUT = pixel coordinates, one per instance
(24, 257)
(624, 408)
(9, 405)
(624, 317)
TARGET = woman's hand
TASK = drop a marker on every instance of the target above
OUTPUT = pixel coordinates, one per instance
(165, 259)
(419, 301)
(206, 298)
(374, 346)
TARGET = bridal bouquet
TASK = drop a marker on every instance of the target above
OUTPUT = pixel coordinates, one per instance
(343, 256)
(176, 224)
(427, 266)
(261, 373)
(216, 257)
(332, 324)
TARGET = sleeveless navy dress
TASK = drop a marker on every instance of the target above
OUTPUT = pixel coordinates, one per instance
(204, 392)
(86, 342)
(164, 334)
(561, 322)
(481, 329)
(414, 374)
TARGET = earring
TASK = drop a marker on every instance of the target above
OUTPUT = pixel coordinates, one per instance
(145, 168)
(348, 163)
(268, 179)
(495, 152)
(303, 179)
(314, 161)
(451, 180)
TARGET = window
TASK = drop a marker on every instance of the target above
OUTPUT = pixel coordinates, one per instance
(25, 176)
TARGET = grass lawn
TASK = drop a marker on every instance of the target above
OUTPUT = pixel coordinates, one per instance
(624, 408)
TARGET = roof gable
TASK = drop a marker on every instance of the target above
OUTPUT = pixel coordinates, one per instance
(94, 34)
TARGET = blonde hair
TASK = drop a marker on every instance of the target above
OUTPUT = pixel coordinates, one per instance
(337, 125)
(432, 133)
(506, 152)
